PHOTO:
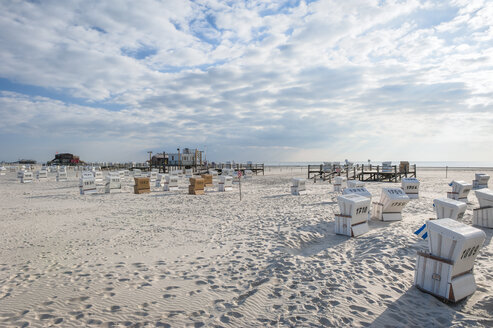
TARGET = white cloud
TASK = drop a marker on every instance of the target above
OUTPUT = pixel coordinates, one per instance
(341, 78)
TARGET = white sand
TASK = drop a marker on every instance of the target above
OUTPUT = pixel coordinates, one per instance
(168, 258)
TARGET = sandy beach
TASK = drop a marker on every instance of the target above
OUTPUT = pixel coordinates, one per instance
(169, 259)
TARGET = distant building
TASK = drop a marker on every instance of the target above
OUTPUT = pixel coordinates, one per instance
(65, 159)
(187, 157)
(159, 159)
(26, 161)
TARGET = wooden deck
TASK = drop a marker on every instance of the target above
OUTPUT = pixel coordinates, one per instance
(363, 173)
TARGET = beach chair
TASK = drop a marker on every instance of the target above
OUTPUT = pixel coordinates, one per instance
(480, 181)
(27, 177)
(87, 183)
(298, 186)
(113, 183)
(352, 220)
(449, 208)
(171, 183)
(410, 187)
(248, 174)
(387, 167)
(483, 216)
(340, 183)
(3, 170)
(153, 176)
(142, 185)
(42, 174)
(446, 270)
(62, 174)
(207, 180)
(460, 190)
(392, 202)
(99, 178)
(196, 186)
(225, 183)
(404, 167)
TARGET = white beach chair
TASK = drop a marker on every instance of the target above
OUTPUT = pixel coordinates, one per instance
(480, 181)
(449, 208)
(410, 187)
(99, 178)
(27, 177)
(113, 183)
(483, 216)
(42, 174)
(62, 174)
(460, 190)
(87, 183)
(225, 183)
(387, 167)
(298, 186)
(392, 202)
(446, 269)
(353, 219)
(340, 183)
(171, 183)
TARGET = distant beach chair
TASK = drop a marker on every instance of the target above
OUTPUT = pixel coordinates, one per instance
(446, 270)
(207, 180)
(353, 219)
(483, 216)
(480, 181)
(298, 186)
(460, 190)
(62, 174)
(248, 174)
(410, 187)
(225, 183)
(87, 183)
(449, 208)
(99, 178)
(113, 183)
(142, 185)
(340, 183)
(42, 174)
(196, 186)
(392, 202)
(27, 177)
(171, 182)
(387, 167)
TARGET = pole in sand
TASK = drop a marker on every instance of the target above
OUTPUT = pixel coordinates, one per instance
(239, 182)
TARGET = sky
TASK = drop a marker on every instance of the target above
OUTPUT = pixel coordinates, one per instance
(262, 81)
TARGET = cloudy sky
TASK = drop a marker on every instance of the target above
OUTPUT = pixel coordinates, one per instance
(253, 80)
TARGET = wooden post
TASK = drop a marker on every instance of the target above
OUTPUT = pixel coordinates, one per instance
(395, 172)
(446, 171)
(239, 182)
(378, 172)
